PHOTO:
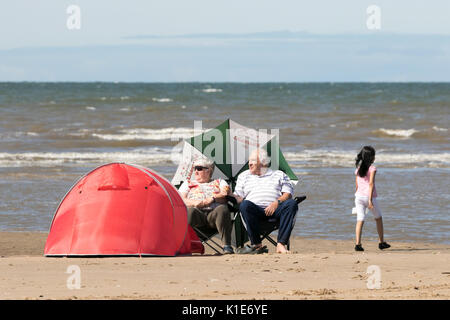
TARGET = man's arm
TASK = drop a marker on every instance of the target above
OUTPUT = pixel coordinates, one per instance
(274, 205)
(286, 193)
(239, 189)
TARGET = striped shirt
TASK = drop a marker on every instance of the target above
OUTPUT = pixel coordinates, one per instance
(264, 189)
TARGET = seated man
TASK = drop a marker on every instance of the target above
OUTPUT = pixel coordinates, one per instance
(206, 202)
(264, 194)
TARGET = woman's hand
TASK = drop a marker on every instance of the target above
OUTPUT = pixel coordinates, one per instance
(370, 204)
(195, 203)
(207, 202)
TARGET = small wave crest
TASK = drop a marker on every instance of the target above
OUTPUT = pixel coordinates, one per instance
(48, 159)
(173, 134)
(162, 99)
(408, 133)
(19, 135)
(339, 158)
(166, 156)
(440, 129)
(210, 90)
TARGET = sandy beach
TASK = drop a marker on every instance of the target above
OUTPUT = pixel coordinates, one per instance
(316, 269)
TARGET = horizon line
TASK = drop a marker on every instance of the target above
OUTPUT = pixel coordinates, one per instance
(228, 82)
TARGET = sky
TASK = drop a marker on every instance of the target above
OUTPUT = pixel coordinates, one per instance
(238, 41)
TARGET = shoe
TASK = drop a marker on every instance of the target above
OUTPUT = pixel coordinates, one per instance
(228, 250)
(358, 247)
(253, 250)
(383, 245)
(262, 250)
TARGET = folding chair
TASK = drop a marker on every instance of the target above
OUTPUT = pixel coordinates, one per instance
(206, 234)
(266, 227)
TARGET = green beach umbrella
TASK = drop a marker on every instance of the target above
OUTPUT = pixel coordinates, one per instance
(229, 146)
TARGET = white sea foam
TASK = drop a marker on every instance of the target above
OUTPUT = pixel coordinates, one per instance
(47, 159)
(340, 158)
(162, 100)
(399, 132)
(439, 129)
(170, 157)
(173, 134)
(11, 136)
(209, 90)
(91, 108)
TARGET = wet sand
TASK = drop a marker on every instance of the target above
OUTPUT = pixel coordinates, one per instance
(316, 269)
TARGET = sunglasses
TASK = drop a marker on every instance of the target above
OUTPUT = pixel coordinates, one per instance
(200, 168)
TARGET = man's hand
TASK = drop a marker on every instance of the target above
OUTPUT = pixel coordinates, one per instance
(271, 208)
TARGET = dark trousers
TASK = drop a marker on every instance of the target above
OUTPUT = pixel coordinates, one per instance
(219, 219)
(253, 214)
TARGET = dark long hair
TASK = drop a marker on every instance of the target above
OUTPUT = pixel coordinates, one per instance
(364, 159)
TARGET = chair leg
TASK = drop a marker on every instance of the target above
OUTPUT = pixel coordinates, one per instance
(207, 240)
(269, 238)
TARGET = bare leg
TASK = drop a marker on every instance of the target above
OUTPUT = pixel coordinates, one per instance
(358, 231)
(380, 230)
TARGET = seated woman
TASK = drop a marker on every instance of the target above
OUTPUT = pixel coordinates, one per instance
(206, 202)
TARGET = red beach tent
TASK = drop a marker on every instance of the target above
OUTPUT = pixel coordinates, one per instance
(120, 209)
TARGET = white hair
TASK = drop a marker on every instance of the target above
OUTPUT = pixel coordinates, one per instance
(260, 154)
(205, 162)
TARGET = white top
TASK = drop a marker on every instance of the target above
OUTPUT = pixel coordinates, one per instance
(202, 191)
(264, 189)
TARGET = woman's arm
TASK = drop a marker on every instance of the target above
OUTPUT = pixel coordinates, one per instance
(189, 202)
(356, 183)
(371, 184)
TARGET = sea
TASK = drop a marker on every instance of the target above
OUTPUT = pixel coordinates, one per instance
(51, 134)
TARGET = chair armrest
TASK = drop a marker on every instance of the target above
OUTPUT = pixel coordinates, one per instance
(232, 203)
(300, 199)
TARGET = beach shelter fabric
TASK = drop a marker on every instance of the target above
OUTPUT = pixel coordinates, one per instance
(229, 146)
(121, 209)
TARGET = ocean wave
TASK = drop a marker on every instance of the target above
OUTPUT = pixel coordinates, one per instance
(439, 129)
(209, 90)
(13, 136)
(162, 100)
(398, 132)
(340, 158)
(48, 159)
(171, 156)
(173, 134)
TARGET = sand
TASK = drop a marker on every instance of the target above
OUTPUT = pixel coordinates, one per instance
(316, 269)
